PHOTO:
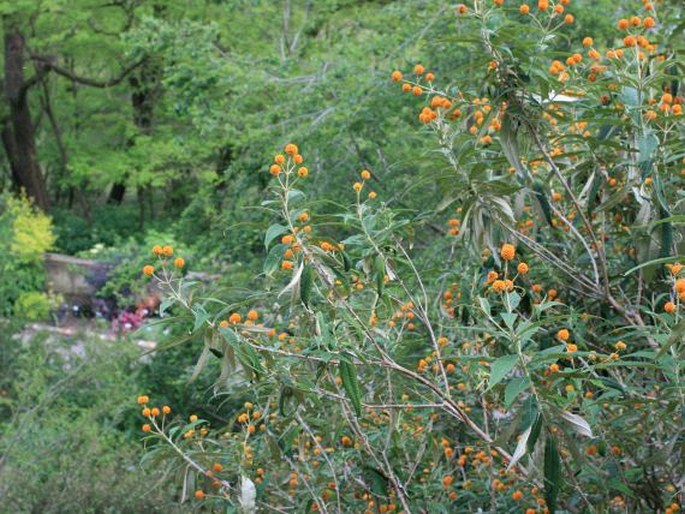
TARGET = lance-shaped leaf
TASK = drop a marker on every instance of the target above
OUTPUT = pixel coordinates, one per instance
(514, 388)
(273, 259)
(379, 271)
(348, 374)
(520, 448)
(552, 472)
(201, 362)
(294, 284)
(273, 232)
(248, 496)
(347, 262)
(306, 284)
(536, 427)
(578, 424)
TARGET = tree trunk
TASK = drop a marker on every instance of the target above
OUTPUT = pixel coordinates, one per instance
(10, 146)
(18, 135)
(145, 87)
(145, 91)
(116, 194)
(64, 157)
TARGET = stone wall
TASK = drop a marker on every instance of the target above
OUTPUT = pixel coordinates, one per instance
(79, 279)
(74, 278)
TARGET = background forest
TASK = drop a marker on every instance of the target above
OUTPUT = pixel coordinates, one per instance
(131, 123)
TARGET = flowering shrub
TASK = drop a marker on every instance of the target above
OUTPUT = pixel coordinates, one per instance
(515, 347)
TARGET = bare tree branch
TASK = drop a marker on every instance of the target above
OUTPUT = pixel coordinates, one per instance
(50, 64)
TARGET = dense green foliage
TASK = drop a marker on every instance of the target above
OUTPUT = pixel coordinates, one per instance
(25, 234)
(66, 440)
(487, 318)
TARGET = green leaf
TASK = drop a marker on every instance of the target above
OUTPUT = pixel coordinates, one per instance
(677, 335)
(227, 365)
(629, 96)
(514, 388)
(536, 428)
(347, 263)
(484, 304)
(273, 232)
(678, 219)
(552, 473)
(655, 262)
(348, 374)
(543, 200)
(295, 195)
(666, 239)
(273, 259)
(201, 315)
(286, 394)
(514, 300)
(614, 199)
(647, 143)
(379, 270)
(578, 423)
(201, 362)
(509, 319)
(593, 195)
(526, 330)
(306, 281)
(249, 358)
(520, 448)
(500, 367)
(379, 484)
(165, 304)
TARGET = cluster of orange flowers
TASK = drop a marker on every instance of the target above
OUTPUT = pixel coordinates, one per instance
(543, 6)
(500, 285)
(365, 176)
(678, 288)
(440, 107)
(448, 297)
(482, 109)
(151, 413)
(289, 163)
(564, 335)
(438, 103)
(525, 224)
(190, 433)
(429, 114)
(507, 478)
(406, 315)
(631, 40)
(235, 318)
(668, 104)
(163, 252)
(419, 71)
(250, 418)
(289, 255)
(453, 223)
(217, 468)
